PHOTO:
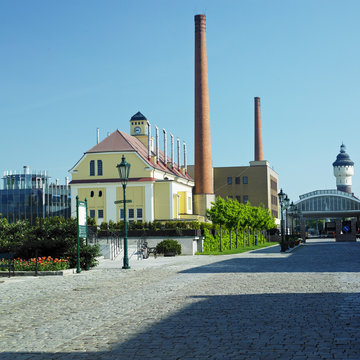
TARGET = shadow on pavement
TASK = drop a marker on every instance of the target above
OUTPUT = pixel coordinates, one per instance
(257, 326)
(312, 257)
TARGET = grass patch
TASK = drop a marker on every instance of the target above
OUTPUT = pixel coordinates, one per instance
(238, 250)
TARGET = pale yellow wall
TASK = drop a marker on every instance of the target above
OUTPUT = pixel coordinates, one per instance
(95, 202)
(110, 171)
(137, 196)
(162, 201)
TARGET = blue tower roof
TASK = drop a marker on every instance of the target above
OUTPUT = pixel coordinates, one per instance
(138, 116)
(343, 159)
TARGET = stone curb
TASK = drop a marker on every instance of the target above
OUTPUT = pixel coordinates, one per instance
(39, 273)
(292, 249)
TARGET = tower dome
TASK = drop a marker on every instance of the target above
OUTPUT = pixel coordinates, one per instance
(343, 170)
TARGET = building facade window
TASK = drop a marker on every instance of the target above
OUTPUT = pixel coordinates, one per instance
(245, 180)
(92, 167)
(273, 185)
(229, 180)
(139, 214)
(99, 167)
(237, 180)
(131, 213)
(238, 198)
(92, 213)
(274, 213)
(100, 213)
(91, 193)
(245, 199)
(274, 200)
(121, 214)
(100, 193)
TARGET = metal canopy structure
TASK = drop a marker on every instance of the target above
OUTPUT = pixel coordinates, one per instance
(328, 204)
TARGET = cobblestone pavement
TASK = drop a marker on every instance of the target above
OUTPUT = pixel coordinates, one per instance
(259, 305)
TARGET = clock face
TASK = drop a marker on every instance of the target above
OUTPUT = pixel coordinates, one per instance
(137, 130)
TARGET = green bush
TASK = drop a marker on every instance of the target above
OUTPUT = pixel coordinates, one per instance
(104, 225)
(168, 246)
(55, 237)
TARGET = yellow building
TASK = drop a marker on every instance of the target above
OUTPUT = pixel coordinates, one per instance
(256, 184)
(159, 189)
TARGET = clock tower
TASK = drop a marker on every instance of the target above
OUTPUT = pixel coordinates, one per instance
(139, 125)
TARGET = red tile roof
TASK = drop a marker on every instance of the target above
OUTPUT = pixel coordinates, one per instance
(119, 141)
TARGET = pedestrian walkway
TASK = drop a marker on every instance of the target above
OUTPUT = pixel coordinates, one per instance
(257, 305)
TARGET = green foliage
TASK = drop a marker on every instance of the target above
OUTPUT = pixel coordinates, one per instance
(234, 215)
(91, 221)
(237, 250)
(111, 225)
(217, 213)
(244, 239)
(104, 226)
(168, 246)
(55, 237)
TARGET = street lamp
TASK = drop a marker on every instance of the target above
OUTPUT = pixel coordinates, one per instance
(282, 201)
(299, 214)
(292, 208)
(124, 170)
(286, 206)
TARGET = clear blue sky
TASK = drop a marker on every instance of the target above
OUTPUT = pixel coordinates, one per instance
(68, 67)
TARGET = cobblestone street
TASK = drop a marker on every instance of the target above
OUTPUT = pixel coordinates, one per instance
(258, 305)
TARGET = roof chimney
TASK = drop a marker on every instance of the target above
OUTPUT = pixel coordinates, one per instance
(149, 140)
(178, 152)
(165, 147)
(157, 144)
(185, 160)
(172, 150)
(258, 136)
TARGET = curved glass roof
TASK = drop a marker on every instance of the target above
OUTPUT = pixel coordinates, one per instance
(328, 201)
(326, 192)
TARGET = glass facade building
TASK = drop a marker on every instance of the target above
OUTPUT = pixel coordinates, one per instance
(28, 196)
(328, 201)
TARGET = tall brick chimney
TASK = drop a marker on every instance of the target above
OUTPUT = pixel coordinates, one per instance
(204, 183)
(258, 136)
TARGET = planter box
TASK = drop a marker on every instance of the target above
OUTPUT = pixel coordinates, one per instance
(146, 233)
(39, 273)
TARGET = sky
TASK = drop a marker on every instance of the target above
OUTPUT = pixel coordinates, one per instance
(70, 67)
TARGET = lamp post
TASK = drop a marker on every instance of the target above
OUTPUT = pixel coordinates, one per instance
(292, 214)
(282, 197)
(124, 170)
(299, 214)
(286, 206)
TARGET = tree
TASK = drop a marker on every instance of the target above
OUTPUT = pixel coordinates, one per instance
(217, 214)
(232, 217)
